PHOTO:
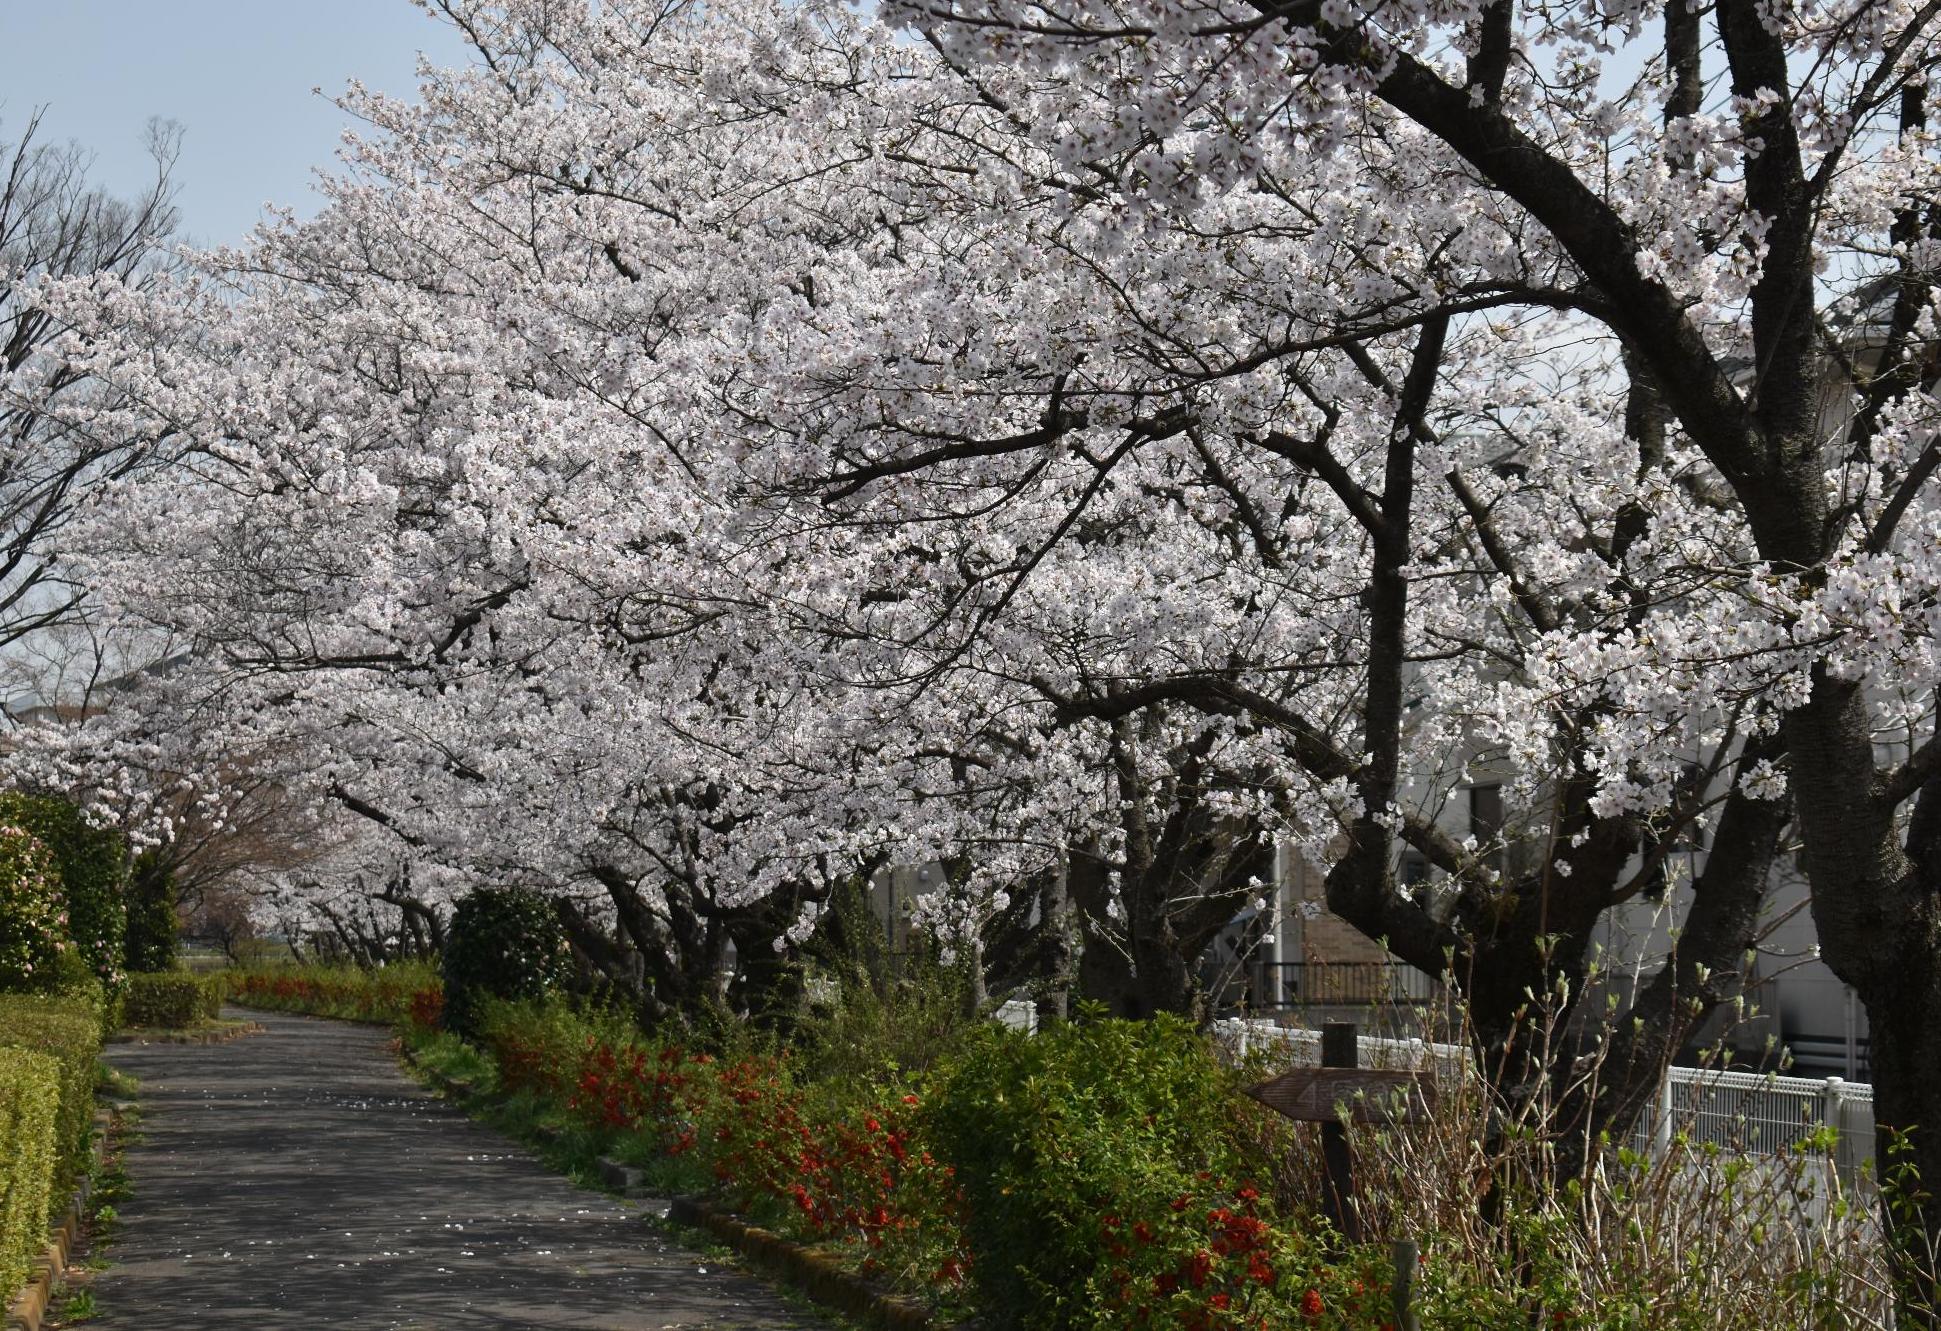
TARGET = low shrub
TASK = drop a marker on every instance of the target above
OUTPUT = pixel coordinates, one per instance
(30, 1115)
(504, 943)
(405, 993)
(834, 1162)
(171, 999)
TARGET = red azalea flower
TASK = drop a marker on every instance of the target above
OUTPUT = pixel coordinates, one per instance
(1198, 1267)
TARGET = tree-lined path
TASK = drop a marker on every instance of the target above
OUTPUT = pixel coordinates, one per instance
(298, 1179)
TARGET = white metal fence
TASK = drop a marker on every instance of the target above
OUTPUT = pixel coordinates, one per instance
(1761, 1115)
(1244, 1035)
(1743, 1111)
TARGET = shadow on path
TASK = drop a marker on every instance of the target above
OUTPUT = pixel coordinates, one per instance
(298, 1179)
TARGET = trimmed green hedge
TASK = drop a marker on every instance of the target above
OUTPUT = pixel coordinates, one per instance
(30, 1103)
(67, 1029)
(170, 998)
(48, 1049)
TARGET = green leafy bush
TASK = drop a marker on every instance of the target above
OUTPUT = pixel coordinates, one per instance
(72, 978)
(93, 866)
(30, 1103)
(1105, 1183)
(33, 914)
(504, 943)
(171, 999)
(151, 944)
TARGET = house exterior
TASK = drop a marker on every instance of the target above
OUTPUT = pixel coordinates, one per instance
(1309, 964)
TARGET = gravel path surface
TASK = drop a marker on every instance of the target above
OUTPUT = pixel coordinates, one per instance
(299, 1179)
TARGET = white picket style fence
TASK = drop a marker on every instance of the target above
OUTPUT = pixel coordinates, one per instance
(1748, 1112)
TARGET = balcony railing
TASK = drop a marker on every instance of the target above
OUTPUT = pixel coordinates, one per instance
(1294, 984)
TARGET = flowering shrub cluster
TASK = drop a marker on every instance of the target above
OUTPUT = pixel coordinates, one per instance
(33, 915)
(407, 995)
(1220, 1257)
(1085, 1212)
(851, 1168)
(90, 864)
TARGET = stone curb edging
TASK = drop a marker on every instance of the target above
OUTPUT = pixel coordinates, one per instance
(30, 1305)
(821, 1278)
(797, 1264)
(374, 1024)
(146, 1035)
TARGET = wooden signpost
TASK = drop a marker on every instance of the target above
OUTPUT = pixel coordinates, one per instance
(1367, 1095)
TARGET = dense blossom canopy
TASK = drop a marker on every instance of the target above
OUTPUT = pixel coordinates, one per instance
(703, 452)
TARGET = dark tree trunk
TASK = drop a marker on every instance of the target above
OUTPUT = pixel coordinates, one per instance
(603, 955)
(1708, 967)
(1105, 977)
(1055, 919)
(1904, 1015)
(1173, 901)
(768, 983)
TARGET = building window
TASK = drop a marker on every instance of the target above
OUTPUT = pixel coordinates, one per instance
(1486, 822)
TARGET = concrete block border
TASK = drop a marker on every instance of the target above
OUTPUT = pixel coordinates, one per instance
(242, 1006)
(798, 1265)
(803, 1267)
(30, 1305)
(150, 1035)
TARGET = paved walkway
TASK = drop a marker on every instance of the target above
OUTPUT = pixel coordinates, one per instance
(298, 1179)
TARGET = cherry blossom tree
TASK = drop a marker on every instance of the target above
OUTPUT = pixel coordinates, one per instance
(56, 226)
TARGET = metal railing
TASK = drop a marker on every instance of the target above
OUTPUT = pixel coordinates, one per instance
(1756, 1114)
(1748, 1113)
(1303, 1047)
(1277, 986)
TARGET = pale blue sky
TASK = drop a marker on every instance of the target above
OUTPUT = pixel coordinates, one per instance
(237, 75)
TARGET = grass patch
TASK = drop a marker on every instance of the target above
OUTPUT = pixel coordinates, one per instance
(76, 1308)
(111, 1083)
(442, 1054)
